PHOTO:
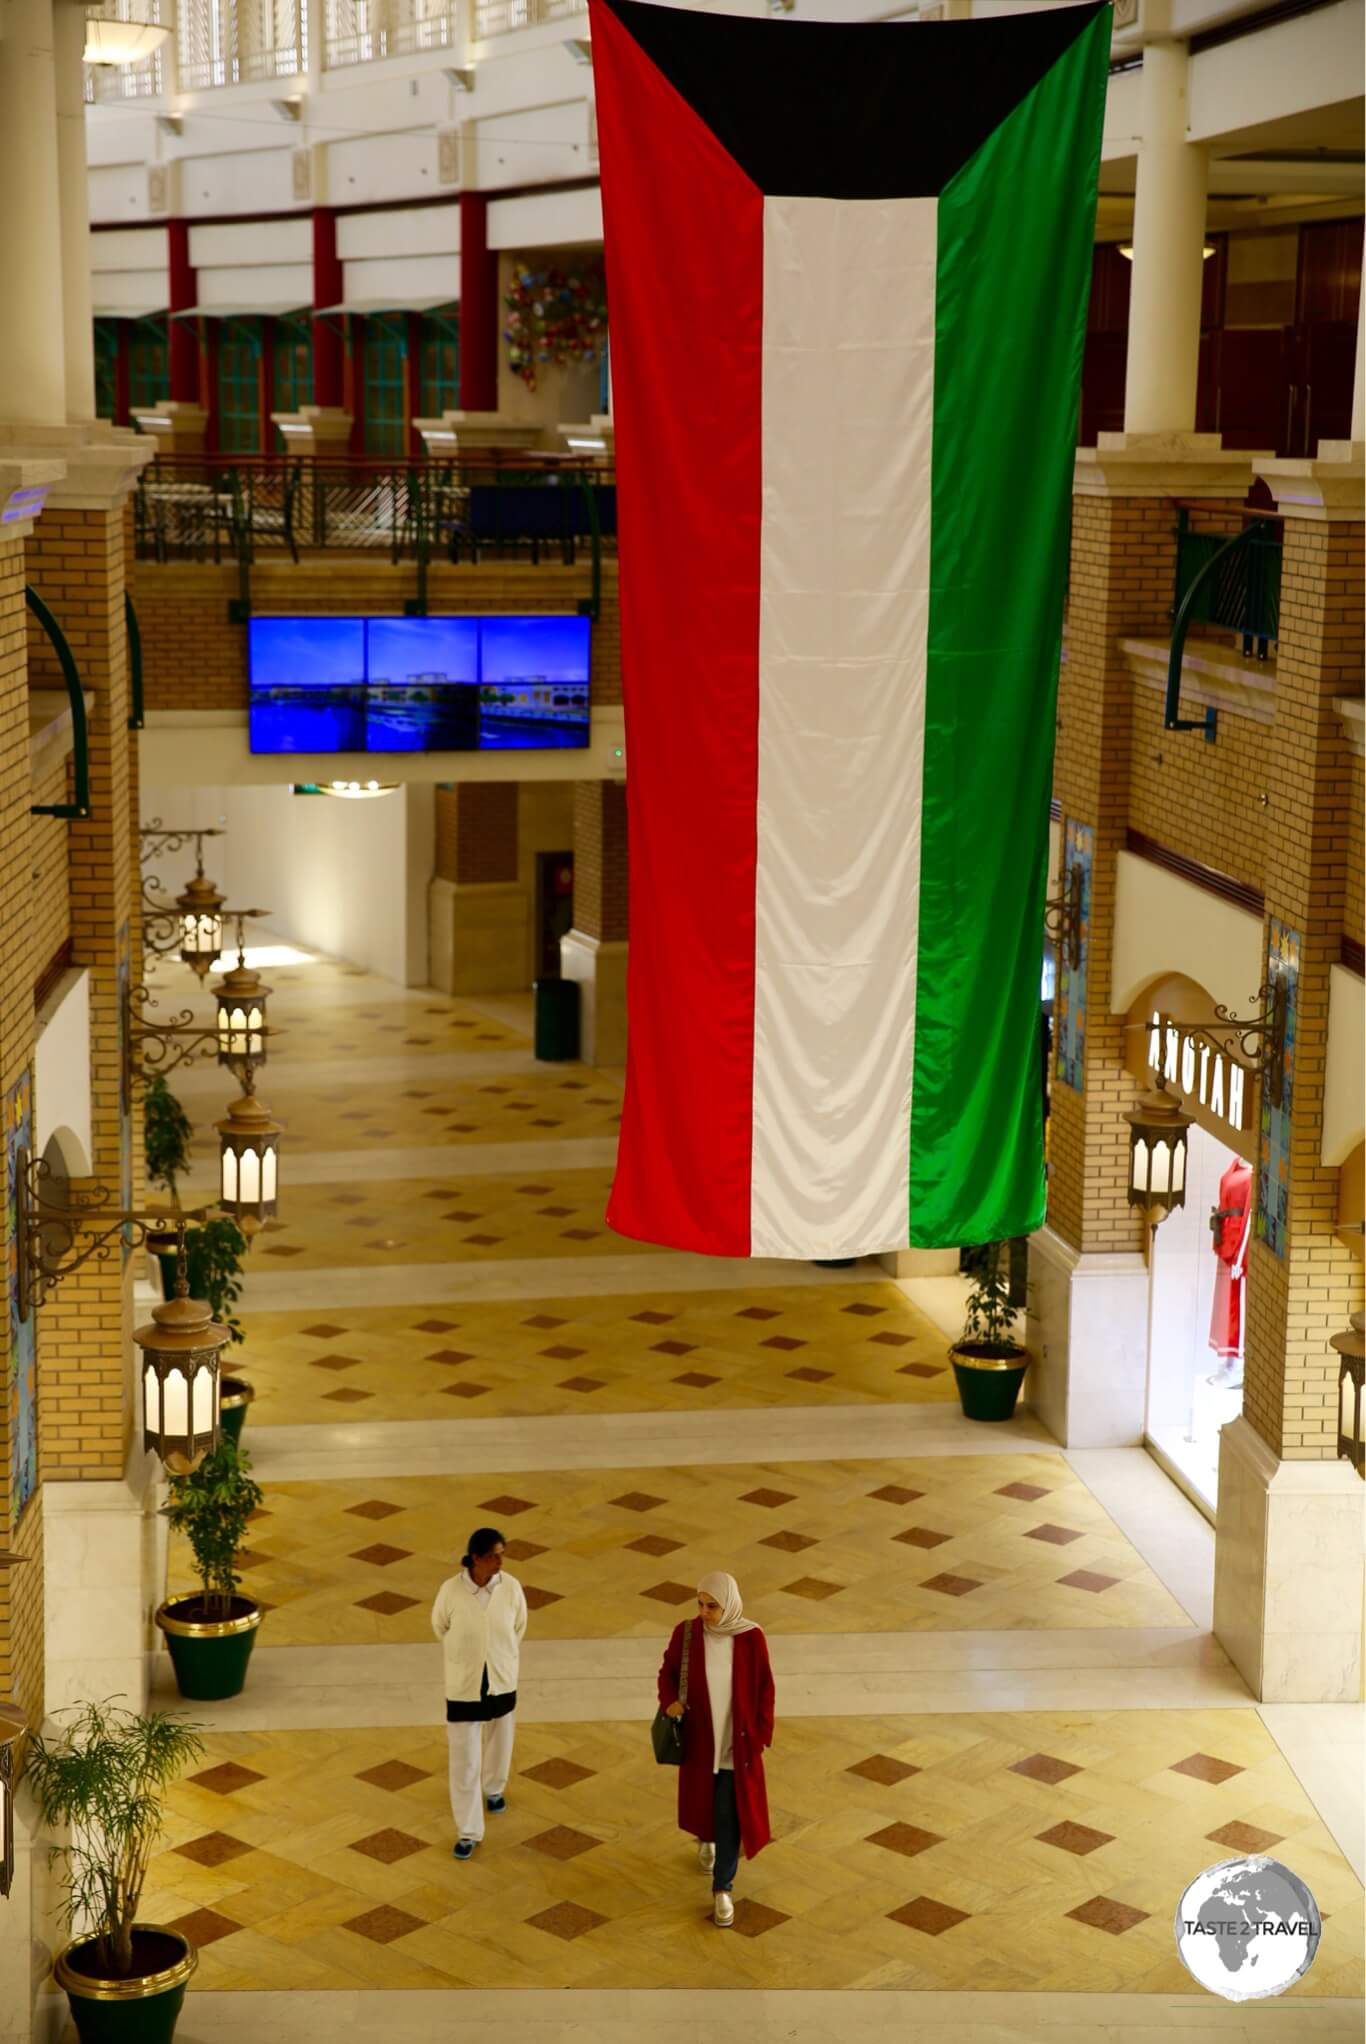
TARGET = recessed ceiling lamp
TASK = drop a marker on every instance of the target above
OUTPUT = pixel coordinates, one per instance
(357, 791)
(1126, 249)
(109, 43)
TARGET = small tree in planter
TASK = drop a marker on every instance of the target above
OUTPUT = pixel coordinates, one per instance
(210, 1636)
(988, 1363)
(166, 1135)
(213, 1268)
(104, 1777)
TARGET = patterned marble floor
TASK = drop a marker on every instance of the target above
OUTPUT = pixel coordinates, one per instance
(955, 1542)
(1017, 1849)
(1008, 1851)
(676, 1352)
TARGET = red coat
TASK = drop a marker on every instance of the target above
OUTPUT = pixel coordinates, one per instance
(751, 1708)
(1232, 1225)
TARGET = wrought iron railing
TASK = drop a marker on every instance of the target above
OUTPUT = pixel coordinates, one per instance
(1232, 580)
(547, 508)
(1228, 581)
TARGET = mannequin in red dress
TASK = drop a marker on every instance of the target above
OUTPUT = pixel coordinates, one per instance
(1231, 1225)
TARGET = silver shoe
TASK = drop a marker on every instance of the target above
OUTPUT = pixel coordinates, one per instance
(723, 1914)
(706, 1857)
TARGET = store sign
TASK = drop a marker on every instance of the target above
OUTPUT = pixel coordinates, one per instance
(1200, 1069)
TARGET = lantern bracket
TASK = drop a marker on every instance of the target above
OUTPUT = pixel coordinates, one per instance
(1063, 915)
(157, 839)
(48, 1231)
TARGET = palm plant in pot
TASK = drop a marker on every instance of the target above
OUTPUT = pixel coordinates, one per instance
(213, 1268)
(988, 1363)
(103, 1778)
(210, 1635)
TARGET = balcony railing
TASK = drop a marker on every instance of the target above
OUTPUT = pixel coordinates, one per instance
(1237, 588)
(526, 506)
(358, 31)
(500, 17)
(233, 42)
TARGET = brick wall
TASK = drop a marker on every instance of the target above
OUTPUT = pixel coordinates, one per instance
(1123, 557)
(600, 860)
(193, 659)
(50, 864)
(1298, 1299)
(1204, 801)
(75, 559)
(21, 1588)
(476, 832)
(1353, 885)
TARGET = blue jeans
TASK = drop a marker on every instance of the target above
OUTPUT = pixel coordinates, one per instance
(726, 1823)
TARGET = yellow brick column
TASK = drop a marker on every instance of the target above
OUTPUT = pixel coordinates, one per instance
(595, 950)
(1288, 1555)
(99, 1487)
(477, 905)
(1088, 1304)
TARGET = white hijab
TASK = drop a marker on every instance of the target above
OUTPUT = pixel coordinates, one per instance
(726, 1592)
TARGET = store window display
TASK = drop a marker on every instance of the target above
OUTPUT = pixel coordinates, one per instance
(1198, 1313)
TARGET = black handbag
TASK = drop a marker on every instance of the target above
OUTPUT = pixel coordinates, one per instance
(666, 1733)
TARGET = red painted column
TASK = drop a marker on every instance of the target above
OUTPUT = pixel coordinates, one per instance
(478, 308)
(329, 348)
(183, 297)
(122, 375)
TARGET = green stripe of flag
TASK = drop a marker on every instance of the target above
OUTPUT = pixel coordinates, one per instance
(1015, 233)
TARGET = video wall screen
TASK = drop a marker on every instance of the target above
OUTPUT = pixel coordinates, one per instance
(417, 684)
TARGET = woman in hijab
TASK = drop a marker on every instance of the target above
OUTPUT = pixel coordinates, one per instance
(728, 1716)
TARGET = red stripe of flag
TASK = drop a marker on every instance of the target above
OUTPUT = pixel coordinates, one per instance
(683, 233)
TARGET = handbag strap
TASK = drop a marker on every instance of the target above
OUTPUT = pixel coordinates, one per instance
(683, 1672)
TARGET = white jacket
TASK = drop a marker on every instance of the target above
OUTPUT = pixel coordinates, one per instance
(478, 1632)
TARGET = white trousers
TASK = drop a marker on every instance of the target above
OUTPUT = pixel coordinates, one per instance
(477, 1773)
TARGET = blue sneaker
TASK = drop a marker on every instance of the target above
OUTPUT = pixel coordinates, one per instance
(464, 1848)
(497, 1803)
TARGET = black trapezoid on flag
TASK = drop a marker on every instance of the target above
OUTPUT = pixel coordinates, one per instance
(859, 110)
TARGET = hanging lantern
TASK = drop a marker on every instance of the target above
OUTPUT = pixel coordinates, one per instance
(1351, 1347)
(250, 1152)
(241, 995)
(1158, 1127)
(12, 1729)
(201, 924)
(180, 1348)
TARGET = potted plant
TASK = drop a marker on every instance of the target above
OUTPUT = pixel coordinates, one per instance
(166, 1136)
(988, 1363)
(103, 1778)
(210, 1635)
(213, 1268)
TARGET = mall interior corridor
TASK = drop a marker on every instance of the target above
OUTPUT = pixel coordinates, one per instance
(1005, 1733)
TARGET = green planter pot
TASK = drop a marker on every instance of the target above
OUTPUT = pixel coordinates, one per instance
(168, 1260)
(988, 1385)
(235, 1395)
(209, 1656)
(143, 2010)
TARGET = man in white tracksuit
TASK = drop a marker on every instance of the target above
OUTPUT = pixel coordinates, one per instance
(480, 1618)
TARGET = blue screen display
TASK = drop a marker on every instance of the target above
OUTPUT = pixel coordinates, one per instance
(417, 684)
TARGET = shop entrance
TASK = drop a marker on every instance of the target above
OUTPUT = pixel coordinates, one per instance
(1197, 1312)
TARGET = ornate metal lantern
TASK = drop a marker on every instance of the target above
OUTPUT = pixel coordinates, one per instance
(1158, 1128)
(242, 1034)
(249, 1157)
(180, 1350)
(1351, 1347)
(201, 924)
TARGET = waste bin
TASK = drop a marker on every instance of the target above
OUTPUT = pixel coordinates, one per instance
(557, 1019)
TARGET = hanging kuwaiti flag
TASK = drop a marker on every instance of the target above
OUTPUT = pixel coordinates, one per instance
(847, 271)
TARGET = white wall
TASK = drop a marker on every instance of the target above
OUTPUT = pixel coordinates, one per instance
(347, 878)
(61, 1074)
